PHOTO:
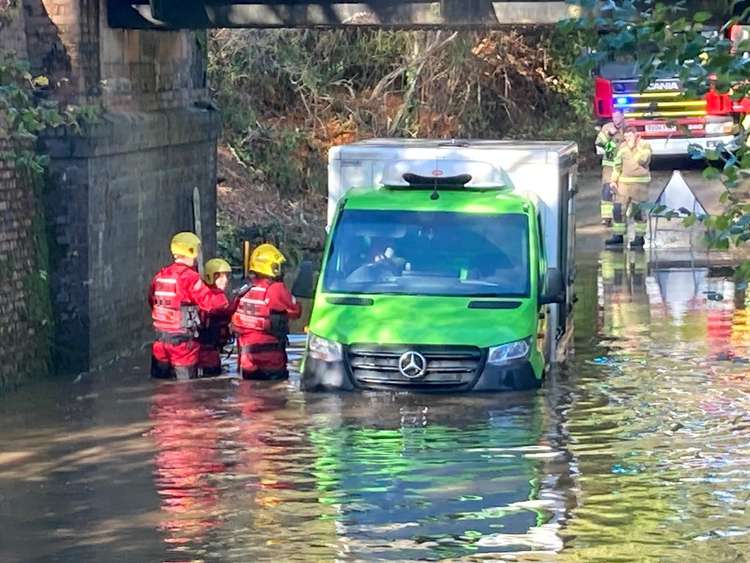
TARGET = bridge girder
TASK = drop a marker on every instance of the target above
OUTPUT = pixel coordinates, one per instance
(395, 14)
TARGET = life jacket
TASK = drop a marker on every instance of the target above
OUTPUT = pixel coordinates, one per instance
(171, 312)
(253, 311)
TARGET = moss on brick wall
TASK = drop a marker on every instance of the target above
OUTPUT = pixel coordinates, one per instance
(25, 311)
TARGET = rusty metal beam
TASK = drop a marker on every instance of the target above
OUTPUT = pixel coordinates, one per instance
(394, 14)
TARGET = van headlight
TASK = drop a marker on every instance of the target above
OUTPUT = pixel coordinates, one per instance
(324, 350)
(517, 350)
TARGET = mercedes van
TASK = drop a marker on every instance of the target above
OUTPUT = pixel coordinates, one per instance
(448, 266)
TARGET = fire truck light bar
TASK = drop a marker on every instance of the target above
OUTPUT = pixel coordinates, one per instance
(687, 103)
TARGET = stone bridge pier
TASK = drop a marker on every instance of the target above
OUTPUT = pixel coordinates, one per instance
(122, 186)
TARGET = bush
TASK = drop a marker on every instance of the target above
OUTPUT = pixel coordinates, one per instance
(287, 96)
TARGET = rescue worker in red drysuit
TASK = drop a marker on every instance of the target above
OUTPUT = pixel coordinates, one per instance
(213, 333)
(261, 321)
(177, 295)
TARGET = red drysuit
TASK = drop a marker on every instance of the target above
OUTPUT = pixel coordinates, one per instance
(177, 296)
(261, 325)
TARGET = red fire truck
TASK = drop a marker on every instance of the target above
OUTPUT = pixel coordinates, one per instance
(668, 119)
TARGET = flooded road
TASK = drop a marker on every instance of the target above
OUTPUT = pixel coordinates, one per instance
(639, 450)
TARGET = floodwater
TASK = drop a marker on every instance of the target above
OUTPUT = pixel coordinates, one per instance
(639, 450)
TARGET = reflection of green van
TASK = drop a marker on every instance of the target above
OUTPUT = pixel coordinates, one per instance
(453, 273)
(448, 477)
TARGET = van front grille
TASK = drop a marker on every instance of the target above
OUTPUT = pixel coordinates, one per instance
(444, 366)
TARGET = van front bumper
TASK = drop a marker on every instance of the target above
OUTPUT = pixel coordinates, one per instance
(337, 376)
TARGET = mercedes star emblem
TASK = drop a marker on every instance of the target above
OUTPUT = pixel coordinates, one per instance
(412, 365)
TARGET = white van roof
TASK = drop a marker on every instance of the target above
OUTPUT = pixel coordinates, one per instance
(474, 174)
(418, 149)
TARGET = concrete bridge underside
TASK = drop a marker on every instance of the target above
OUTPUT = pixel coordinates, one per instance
(201, 14)
(394, 14)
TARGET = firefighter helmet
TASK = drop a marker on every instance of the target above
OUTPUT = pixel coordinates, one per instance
(266, 260)
(185, 244)
(213, 267)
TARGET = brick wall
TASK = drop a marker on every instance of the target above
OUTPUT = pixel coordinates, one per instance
(46, 51)
(121, 191)
(24, 300)
(121, 188)
(24, 340)
(150, 70)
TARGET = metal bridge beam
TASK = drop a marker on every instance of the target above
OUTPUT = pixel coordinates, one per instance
(403, 14)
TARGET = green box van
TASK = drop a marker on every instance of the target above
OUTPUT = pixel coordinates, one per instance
(448, 266)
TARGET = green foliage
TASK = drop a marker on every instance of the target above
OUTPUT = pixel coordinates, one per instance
(666, 39)
(26, 112)
(287, 96)
(230, 237)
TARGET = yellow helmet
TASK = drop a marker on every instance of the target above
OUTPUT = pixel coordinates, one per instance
(267, 260)
(185, 244)
(213, 267)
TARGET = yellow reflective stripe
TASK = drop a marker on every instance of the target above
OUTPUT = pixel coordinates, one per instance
(654, 95)
(609, 163)
(686, 103)
(634, 179)
(619, 228)
(607, 210)
(640, 228)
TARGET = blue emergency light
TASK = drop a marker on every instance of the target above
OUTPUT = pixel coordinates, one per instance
(622, 101)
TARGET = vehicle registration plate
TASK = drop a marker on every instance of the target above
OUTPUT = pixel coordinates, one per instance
(659, 128)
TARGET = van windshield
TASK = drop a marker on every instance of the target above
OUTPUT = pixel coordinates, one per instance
(438, 253)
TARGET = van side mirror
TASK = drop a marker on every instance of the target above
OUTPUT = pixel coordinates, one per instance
(554, 292)
(303, 285)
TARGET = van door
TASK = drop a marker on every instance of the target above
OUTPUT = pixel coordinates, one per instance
(545, 334)
(567, 247)
(565, 241)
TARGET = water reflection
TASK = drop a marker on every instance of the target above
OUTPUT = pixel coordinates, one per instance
(248, 471)
(186, 437)
(658, 418)
(427, 478)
